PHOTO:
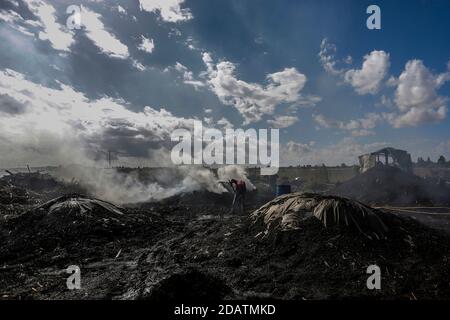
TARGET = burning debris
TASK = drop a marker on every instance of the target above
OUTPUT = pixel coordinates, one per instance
(286, 213)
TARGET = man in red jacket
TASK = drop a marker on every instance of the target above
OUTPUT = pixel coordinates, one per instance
(239, 189)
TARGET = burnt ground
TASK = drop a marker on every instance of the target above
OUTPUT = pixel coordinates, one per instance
(181, 251)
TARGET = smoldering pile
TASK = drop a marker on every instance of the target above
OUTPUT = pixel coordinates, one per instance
(288, 211)
(73, 219)
(386, 185)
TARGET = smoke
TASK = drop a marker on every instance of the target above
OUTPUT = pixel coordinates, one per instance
(235, 172)
(135, 185)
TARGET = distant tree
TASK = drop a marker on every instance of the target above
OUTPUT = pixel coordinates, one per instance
(343, 165)
(420, 161)
(442, 161)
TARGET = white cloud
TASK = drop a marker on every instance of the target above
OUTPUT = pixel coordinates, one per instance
(225, 123)
(138, 65)
(55, 118)
(104, 40)
(59, 36)
(368, 79)
(283, 121)
(120, 9)
(170, 10)
(362, 133)
(253, 100)
(416, 96)
(188, 76)
(298, 148)
(146, 45)
(369, 121)
(346, 151)
(327, 56)
(15, 21)
(417, 116)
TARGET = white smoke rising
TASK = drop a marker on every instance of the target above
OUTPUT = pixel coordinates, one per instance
(142, 185)
(235, 172)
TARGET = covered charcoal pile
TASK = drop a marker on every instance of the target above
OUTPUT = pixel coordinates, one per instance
(288, 211)
(386, 185)
(73, 220)
(322, 262)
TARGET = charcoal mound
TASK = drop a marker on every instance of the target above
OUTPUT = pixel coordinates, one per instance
(191, 285)
(74, 219)
(387, 185)
(286, 213)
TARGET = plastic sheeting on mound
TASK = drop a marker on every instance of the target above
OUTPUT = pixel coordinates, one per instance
(288, 211)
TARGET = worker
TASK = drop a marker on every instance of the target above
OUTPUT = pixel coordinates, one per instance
(239, 190)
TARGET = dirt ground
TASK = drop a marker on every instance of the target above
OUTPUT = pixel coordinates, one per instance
(180, 252)
(189, 248)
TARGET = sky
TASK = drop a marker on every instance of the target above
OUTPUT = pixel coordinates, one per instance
(130, 72)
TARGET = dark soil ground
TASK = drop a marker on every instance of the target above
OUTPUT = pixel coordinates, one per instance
(159, 255)
(181, 249)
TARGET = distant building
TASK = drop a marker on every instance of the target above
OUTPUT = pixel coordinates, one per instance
(388, 157)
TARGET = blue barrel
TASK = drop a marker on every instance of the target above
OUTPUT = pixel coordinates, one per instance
(283, 189)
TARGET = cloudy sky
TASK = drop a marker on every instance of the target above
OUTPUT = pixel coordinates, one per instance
(135, 70)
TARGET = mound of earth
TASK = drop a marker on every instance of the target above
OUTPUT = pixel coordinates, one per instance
(389, 185)
(286, 213)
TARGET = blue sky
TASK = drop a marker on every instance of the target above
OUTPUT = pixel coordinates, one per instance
(311, 68)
